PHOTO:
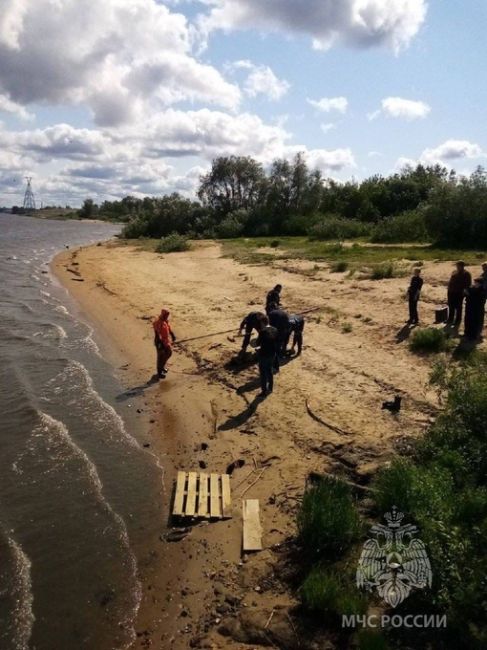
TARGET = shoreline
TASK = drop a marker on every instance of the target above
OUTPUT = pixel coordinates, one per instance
(200, 591)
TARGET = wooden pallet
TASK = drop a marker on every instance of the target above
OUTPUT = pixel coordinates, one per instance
(202, 495)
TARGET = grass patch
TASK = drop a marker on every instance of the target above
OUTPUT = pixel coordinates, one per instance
(331, 594)
(347, 328)
(356, 254)
(339, 267)
(383, 271)
(173, 244)
(328, 521)
(428, 341)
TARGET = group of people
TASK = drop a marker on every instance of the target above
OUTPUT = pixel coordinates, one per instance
(460, 289)
(274, 329)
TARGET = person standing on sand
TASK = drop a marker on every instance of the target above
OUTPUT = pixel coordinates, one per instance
(163, 337)
(474, 310)
(414, 291)
(268, 346)
(273, 298)
(460, 281)
(252, 321)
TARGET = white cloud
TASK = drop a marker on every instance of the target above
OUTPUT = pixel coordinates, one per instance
(8, 106)
(452, 150)
(360, 23)
(115, 56)
(261, 80)
(328, 104)
(330, 160)
(398, 107)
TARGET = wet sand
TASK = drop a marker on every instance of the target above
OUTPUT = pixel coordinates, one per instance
(324, 415)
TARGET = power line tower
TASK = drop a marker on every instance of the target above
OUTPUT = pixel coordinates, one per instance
(29, 200)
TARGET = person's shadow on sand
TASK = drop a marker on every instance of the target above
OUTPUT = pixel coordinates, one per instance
(135, 391)
(238, 420)
(404, 333)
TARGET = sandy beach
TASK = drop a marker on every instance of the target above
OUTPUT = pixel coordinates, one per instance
(324, 416)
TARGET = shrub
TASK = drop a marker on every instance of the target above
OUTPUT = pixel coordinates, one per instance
(405, 227)
(428, 340)
(382, 271)
(339, 267)
(333, 227)
(173, 243)
(347, 328)
(329, 594)
(328, 521)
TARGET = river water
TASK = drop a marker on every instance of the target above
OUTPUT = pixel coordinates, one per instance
(77, 489)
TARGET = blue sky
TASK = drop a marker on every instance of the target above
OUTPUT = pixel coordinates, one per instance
(137, 96)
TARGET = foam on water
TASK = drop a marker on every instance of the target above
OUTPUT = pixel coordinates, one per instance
(23, 616)
(55, 436)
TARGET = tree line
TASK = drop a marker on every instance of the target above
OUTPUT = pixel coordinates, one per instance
(239, 197)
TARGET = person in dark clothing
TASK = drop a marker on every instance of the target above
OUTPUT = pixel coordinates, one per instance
(268, 346)
(279, 319)
(273, 298)
(474, 310)
(252, 321)
(296, 328)
(414, 291)
(460, 281)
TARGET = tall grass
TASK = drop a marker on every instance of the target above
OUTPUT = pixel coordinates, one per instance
(428, 340)
(173, 243)
(328, 521)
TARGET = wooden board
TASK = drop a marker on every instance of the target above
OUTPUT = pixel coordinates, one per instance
(252, 530)
(178, 508)
(203, 510)
(215, 507)
(202, 495)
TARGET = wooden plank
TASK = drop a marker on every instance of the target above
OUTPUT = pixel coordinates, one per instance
(203, 510)
(190, 509)
(179, 496)
(215, 506)
(252, 530)
(226, 496)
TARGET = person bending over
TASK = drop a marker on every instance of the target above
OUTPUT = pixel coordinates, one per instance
(252, 321)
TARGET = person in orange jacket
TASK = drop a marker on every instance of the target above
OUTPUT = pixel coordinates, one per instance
(163, 337)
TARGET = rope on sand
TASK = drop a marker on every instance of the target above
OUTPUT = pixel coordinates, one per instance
(205, 336)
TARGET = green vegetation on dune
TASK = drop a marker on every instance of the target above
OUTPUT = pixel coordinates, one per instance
(239, 198)
(441, 486)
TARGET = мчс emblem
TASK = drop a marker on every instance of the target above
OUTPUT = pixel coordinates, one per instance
(394, 562)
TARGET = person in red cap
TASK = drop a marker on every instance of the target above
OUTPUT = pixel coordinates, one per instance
(163, 337)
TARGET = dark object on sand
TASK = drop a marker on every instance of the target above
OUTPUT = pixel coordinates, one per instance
(441, 314)
(235, 465)
(394, 406)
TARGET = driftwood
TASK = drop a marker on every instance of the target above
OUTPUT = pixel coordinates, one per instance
(253, 482)
(334, 428)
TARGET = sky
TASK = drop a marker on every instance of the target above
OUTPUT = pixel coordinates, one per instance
(105, 99)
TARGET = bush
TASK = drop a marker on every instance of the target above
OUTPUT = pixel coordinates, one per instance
(408, 226)
(382, 271)
(329, 594)
(339, 267)
(328, 521)
(428, 340)
(173, 243)
(333, 227)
